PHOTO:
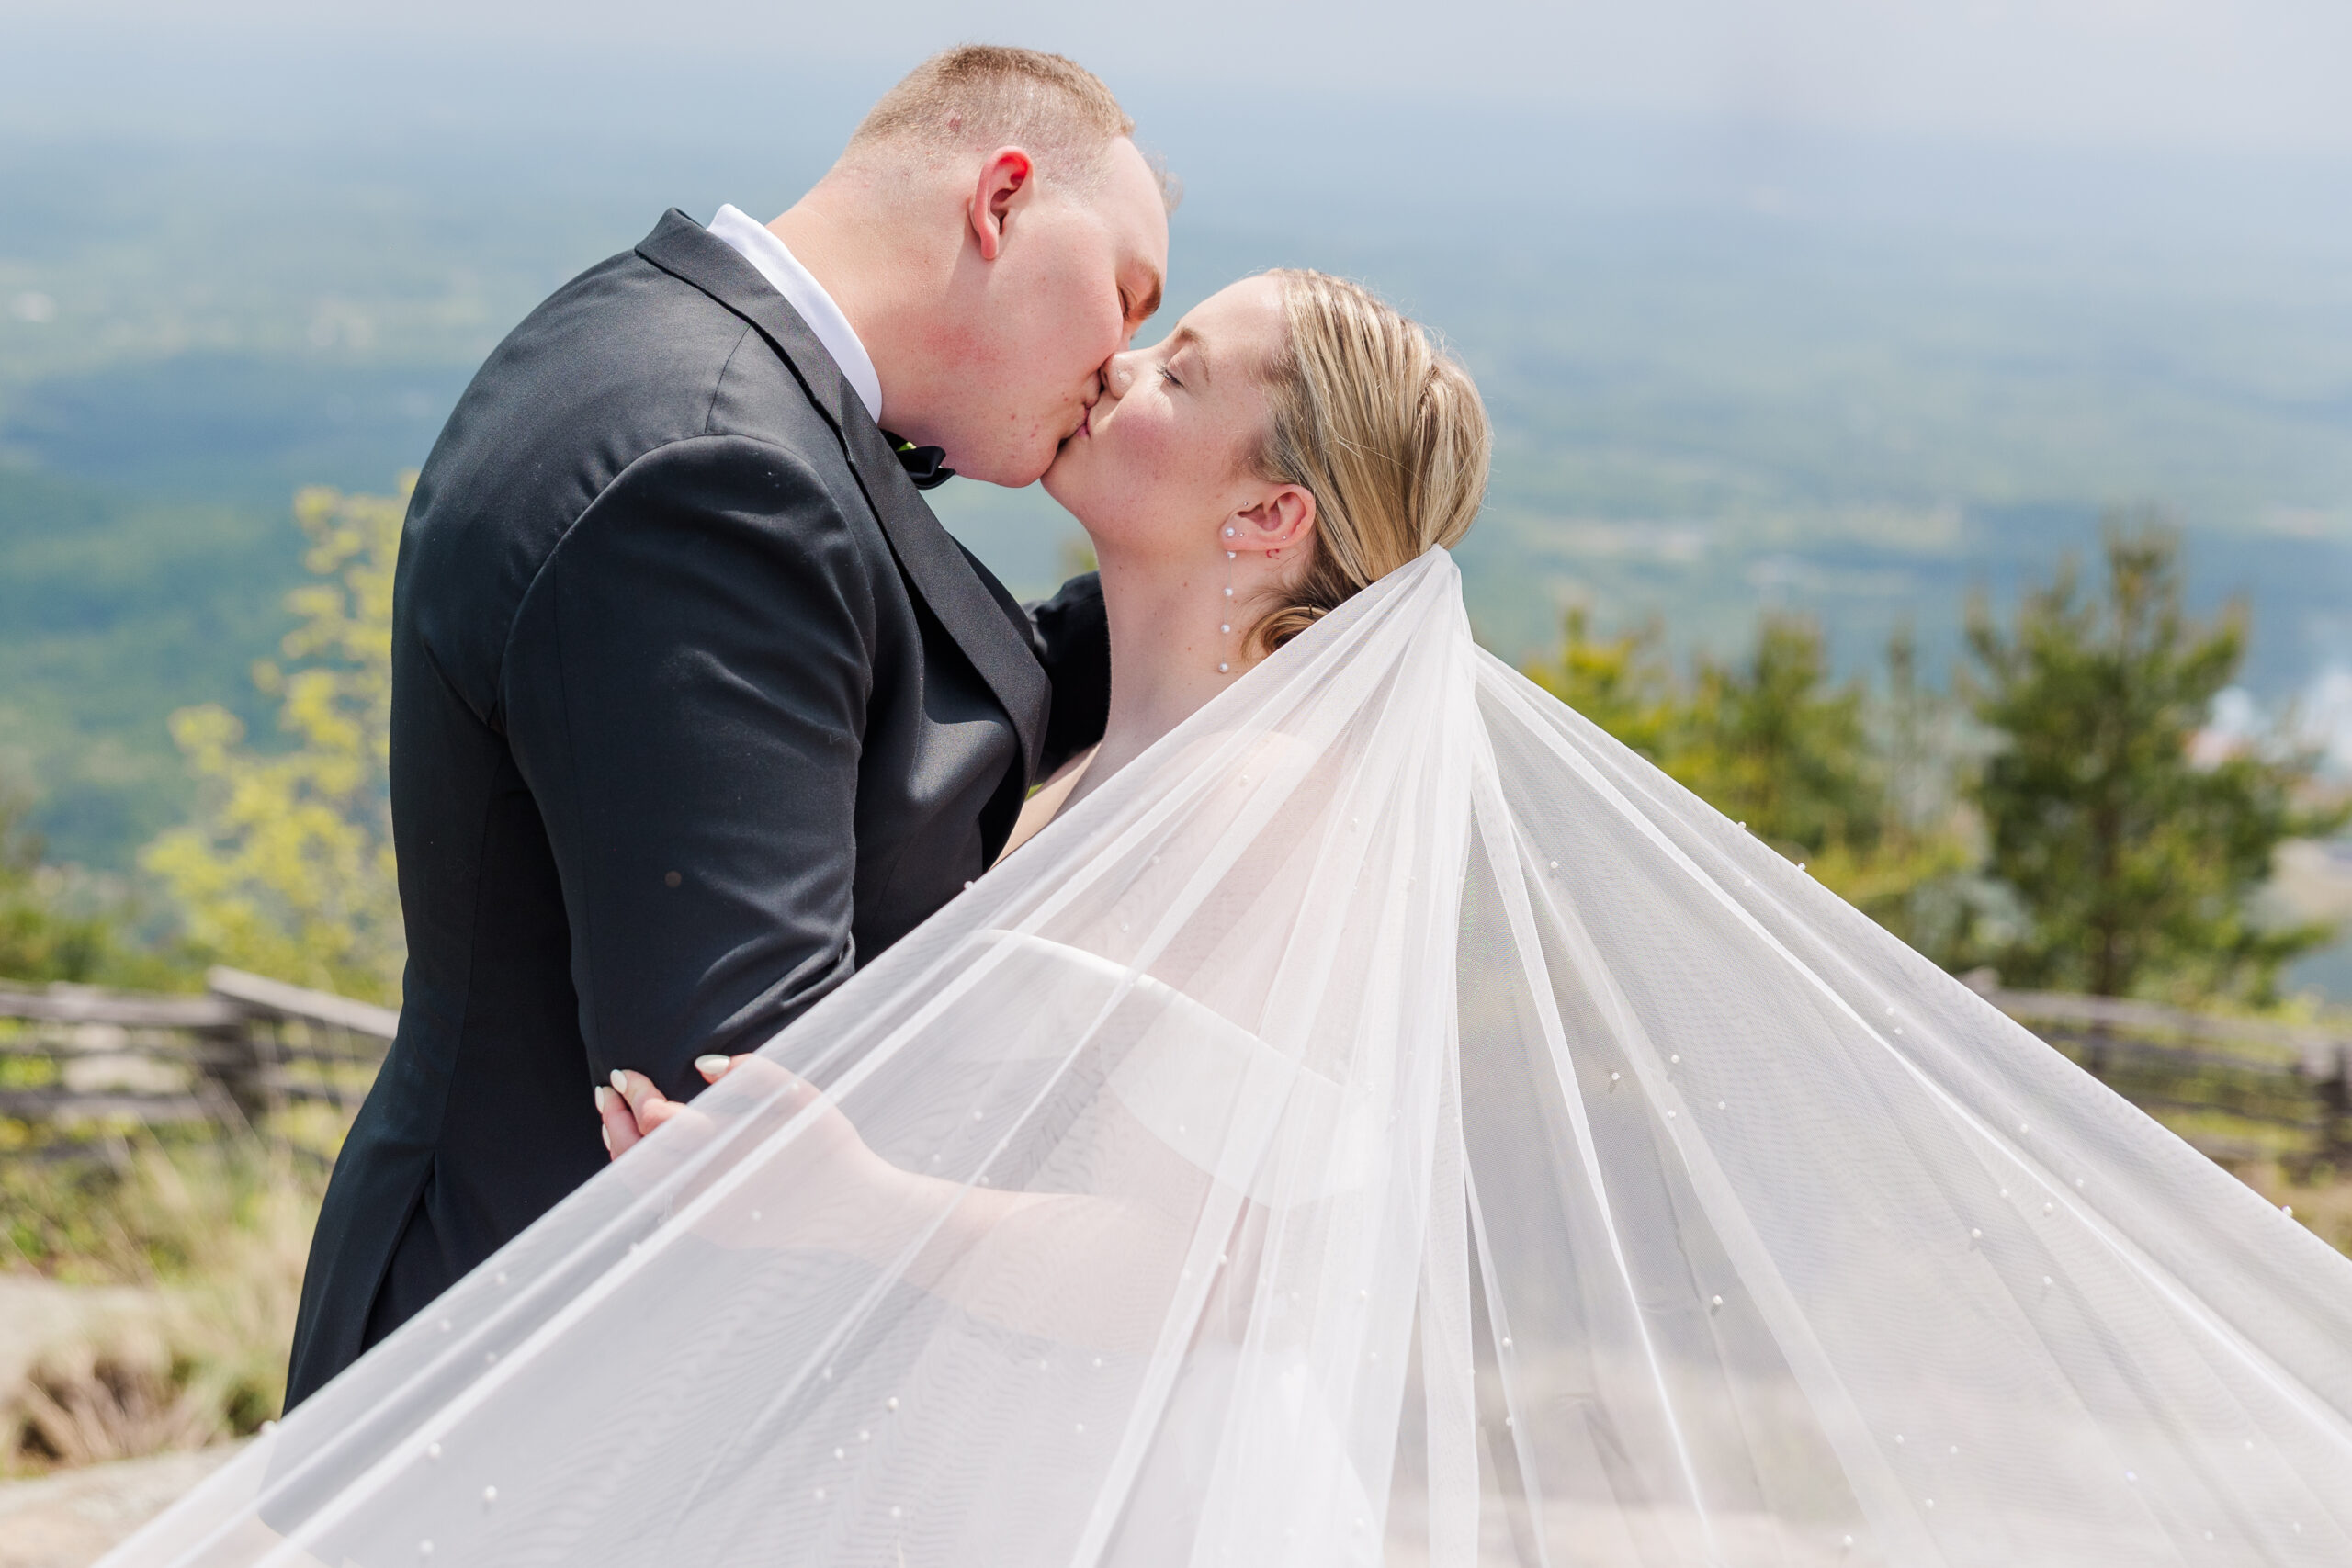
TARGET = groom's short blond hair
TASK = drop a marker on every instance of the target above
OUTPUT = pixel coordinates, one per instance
(985, 96)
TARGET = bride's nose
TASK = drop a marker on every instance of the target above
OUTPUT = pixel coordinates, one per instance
(1119, 374)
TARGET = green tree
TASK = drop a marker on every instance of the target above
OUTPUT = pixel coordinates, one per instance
(1773, 743)
(40, 939)
(1923, 879)
(1624, 685)
(60, 922)
(288, 868)
(2137, 866)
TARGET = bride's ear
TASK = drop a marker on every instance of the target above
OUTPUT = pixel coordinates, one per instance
(1283, 520)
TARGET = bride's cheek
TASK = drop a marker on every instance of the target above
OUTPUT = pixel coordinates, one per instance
(1157, 452)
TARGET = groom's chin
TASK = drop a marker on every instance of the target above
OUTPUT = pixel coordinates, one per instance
(1005, 473)
(1011, 468)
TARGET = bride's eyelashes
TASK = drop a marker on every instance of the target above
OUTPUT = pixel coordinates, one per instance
(1169, 376)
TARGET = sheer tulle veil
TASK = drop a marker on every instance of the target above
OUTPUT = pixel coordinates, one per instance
(1389, 1123)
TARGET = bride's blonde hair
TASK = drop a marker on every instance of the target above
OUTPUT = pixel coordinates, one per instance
(1384, 430)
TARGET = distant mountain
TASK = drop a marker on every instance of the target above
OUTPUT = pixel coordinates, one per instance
(1853, 378)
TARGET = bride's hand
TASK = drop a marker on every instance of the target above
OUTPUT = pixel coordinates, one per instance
(843, 1195)
(634, 1107)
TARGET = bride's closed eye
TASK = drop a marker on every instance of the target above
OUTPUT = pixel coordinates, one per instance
(1169, 376)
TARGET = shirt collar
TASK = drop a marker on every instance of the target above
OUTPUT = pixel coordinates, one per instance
(758, 244)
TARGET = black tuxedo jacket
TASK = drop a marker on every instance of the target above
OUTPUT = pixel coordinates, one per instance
(694, 706)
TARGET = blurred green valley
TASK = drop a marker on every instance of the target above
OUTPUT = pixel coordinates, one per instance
(1731, 374)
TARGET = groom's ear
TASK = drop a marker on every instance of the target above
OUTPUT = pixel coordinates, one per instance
(1282, 521)
(1003, 185)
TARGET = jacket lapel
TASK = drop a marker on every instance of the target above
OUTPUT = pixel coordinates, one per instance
(986, 624)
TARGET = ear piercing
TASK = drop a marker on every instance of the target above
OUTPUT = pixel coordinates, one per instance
(1224, 627)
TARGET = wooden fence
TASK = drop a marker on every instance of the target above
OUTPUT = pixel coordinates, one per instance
(2239, 1089)
(74, 1057)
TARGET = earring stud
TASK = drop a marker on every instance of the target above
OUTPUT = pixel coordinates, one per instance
(1225, 621)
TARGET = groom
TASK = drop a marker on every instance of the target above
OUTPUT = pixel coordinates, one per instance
(695, 706)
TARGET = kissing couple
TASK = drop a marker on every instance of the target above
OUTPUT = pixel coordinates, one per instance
(1211, 1067)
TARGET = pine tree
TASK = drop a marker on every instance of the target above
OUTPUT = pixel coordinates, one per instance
(2137, 866)
(1771, 741)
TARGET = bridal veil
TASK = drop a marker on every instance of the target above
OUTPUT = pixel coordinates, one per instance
(1389, 1123)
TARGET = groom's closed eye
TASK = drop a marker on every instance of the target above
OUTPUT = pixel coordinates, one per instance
(1138, 306)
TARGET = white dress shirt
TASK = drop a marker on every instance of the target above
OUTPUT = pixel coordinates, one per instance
(757, 245)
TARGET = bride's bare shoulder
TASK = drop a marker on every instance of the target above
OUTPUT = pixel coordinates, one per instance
(1261, 753)
(1264, 754)
(1046, 800)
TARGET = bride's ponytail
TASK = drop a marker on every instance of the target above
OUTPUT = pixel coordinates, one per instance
(1382, 427)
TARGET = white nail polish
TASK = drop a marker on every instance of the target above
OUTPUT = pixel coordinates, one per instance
(608, 1138)
(620, 1081)
(710, 1066)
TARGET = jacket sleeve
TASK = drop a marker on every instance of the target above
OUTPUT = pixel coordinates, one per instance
(685, 693)
(1071, 635)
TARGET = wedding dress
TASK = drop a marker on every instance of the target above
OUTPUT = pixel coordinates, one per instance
(1389, 1123)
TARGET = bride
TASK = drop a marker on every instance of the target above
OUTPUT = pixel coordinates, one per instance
(1369, 1116)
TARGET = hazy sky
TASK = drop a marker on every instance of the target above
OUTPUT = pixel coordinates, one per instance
(2262, 75)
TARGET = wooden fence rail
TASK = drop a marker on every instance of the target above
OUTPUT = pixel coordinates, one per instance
(2240, 1088)
(75, 1056)
(250, 1048)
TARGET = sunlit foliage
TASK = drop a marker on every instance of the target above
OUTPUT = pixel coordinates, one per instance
(1772, 742)
(286, 869)
(2052, 817)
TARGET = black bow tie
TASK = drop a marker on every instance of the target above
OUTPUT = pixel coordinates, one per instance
(924, 465)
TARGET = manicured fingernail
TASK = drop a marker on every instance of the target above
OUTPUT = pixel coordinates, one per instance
(608, 1138)
(710, 1066)
(601, 1093)
(620, 1081)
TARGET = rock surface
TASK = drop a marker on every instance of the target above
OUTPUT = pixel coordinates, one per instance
(69, 1519)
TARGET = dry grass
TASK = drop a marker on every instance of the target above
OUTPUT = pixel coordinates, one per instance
(217, 1233)
(86, 1404)
(2323, 1201)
